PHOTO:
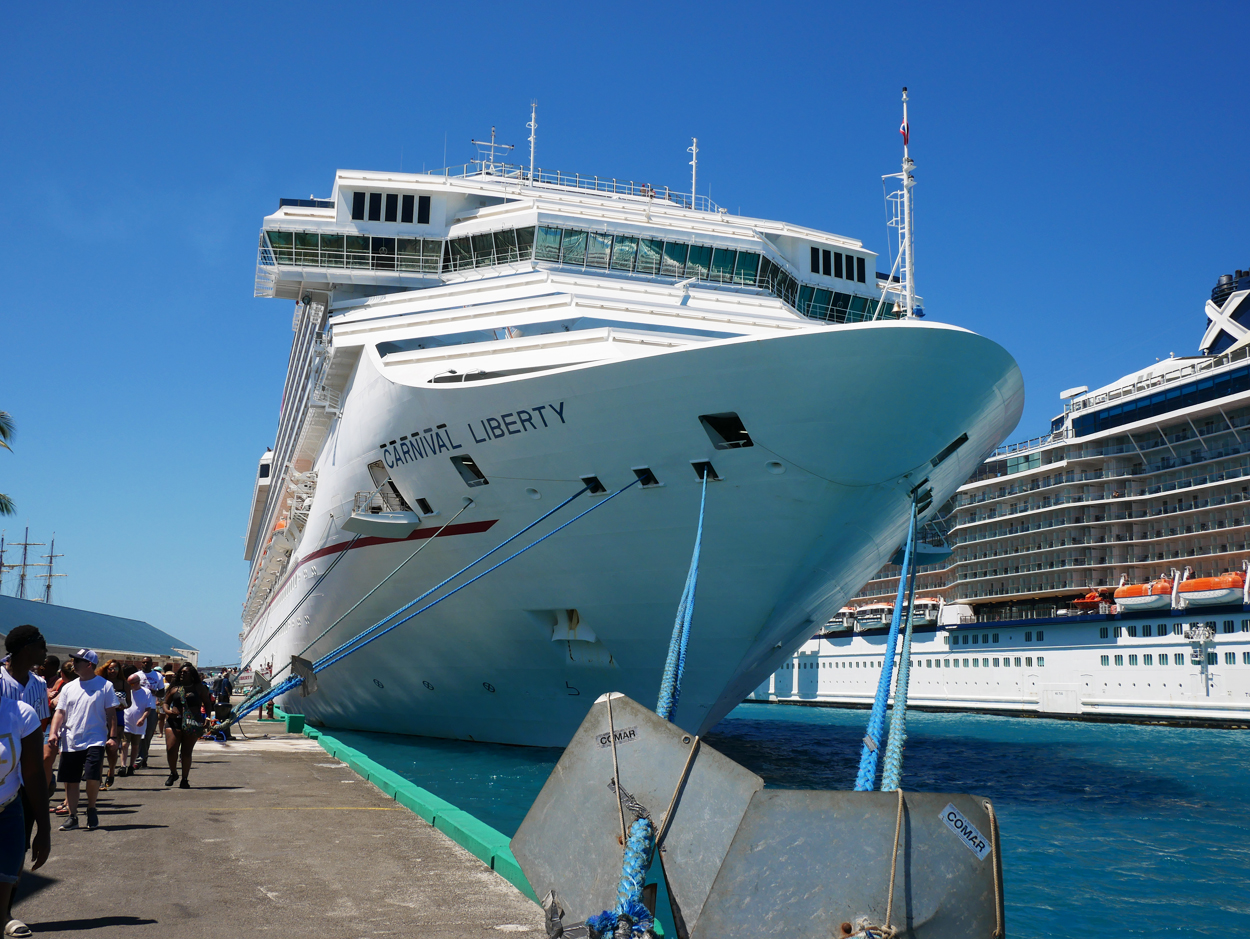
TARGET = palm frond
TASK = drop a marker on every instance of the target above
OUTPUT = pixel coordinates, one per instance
(7, 429)
(6, 505)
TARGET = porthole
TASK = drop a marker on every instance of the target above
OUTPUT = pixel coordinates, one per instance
(378, 683)
(488, 686)
(428, 685)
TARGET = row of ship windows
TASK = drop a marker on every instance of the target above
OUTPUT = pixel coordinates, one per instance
(985, 638)
(628, 254)
(1164, 629)
(1002, 662)
(1183, 396)
(390, 207)
(830, 264)
(1178, 658)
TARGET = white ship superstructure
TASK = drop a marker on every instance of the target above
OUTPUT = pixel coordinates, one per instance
(479, 345)
(1098, 571)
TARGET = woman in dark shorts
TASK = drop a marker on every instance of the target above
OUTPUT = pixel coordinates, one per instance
(185, 703)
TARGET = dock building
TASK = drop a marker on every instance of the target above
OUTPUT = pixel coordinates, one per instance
(114, 637)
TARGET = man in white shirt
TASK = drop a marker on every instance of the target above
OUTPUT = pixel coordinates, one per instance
(27, 650)
(140, 714)
(85, 716)
(21, 759)
(155, 683)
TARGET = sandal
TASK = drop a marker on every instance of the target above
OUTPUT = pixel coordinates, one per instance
(16, 929)
(62, 809)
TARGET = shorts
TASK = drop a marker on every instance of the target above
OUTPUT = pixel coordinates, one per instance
(12, 841)
(79, 765)
(135, 741)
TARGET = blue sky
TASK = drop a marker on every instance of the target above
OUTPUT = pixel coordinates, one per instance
(1079, 193)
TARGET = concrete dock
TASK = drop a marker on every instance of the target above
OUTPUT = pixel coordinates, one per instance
(276, 838)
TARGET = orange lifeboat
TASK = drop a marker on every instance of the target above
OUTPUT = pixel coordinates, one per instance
(1156, 595)
(1213, 591)
(1089, 603)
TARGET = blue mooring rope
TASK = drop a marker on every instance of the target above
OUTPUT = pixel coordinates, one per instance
(355, 644)
(876, 721)
(893, 769)
(675, 664)
(629, 906)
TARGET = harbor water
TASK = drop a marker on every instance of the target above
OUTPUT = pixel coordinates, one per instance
(1108, 829)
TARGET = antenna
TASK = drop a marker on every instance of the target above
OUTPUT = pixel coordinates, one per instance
(51, 556)
(489, 166)
(909, 237)
(693, 150)
(533, 126)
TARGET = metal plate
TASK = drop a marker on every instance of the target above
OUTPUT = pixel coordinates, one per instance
(804, 862)
(570, 840)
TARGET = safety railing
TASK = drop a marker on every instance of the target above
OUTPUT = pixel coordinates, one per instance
(1184, 373)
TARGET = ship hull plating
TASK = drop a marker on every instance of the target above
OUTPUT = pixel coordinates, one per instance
(794, 526)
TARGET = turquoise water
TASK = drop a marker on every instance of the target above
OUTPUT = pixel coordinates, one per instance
(1108, 830)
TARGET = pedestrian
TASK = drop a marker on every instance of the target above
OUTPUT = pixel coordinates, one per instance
(140, 712)
(185, 703)
(51, 675)
(111, 671)
(26, 650)
(50, 749)
(21, 748)
(84, 722)
(156, 686)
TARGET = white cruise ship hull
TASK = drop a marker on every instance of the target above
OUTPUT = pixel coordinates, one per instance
(845, 421)
(1127, 668)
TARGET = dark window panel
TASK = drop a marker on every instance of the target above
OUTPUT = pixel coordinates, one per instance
(826, 262)
(547, 247)
(405, 212)
(525, 242)
(674, 261)
(483, 250)
(722, 265)
(505, 246)
(649, 252)
(423, 210)
(860, 274)
(375, 206)
(358, 206)
(383, 254)
(392, 207)
(815, 260)
(358, 251)
(699, 261)
(332, 250)
(624, 249)
(746, 268)
(573, 251)
(837, 264)
(598, 248)
(461, 254)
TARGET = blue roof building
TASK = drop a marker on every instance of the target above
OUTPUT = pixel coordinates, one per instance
(68, 630)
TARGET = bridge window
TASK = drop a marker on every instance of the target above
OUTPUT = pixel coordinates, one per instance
(815, 260)
(650, 251)
(375, 206)
(506, 246)
(483, 250)
(837, 264)
(598, 247)
(859, 271)
(573, 251)
(358, 206)
(826, 262)
(698, 261)
(674, 261)
(405, 211)
(547, 244)
(624, 250)
(423, 210)
(392, 207)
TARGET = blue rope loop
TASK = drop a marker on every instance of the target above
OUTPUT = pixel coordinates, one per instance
(675, 663)
(876, 721)
(629, 907)
(359, 641)
(893, 770)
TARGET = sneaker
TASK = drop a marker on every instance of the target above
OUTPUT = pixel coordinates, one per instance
(71, 824)
(93, 820)
(173, 778)
(184, 785)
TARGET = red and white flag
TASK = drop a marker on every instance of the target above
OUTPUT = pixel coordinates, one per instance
(906, 132)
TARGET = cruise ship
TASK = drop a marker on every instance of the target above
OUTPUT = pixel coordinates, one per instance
(476, 345)
(1098, 572)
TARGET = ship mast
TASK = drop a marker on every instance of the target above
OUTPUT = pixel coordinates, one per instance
(908, 241)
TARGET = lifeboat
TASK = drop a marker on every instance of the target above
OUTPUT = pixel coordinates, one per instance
(1212, 591)
(1090, 603)
(873, 614)
(1156, 595)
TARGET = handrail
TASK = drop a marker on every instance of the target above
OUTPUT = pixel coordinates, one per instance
(1187, 371)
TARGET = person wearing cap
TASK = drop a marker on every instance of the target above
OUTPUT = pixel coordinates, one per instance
(139, 714)
(85, 716)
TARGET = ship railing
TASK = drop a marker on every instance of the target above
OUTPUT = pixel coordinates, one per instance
(1032, 443)
(1185, 372)
(557, 179)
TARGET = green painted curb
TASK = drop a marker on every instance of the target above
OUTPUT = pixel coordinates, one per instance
(475, 836)
(312, 733)
(422, 801)
(505, 865)
(294, 723)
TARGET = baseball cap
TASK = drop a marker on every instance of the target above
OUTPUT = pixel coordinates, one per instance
(88, 655)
